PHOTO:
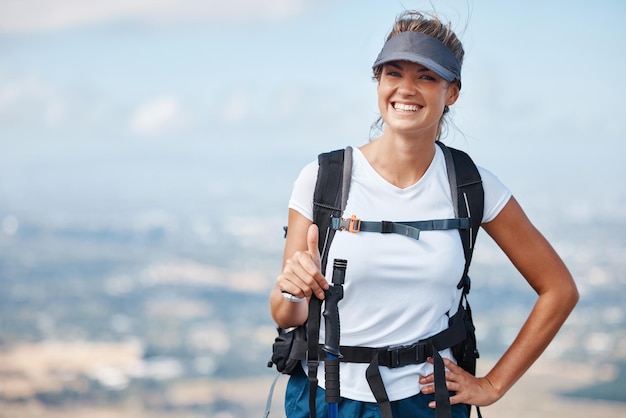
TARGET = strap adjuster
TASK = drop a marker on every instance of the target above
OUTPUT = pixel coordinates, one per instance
(408, 354)
(313, 366)
(353, 224)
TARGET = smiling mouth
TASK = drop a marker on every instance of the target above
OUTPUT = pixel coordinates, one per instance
(405, 107)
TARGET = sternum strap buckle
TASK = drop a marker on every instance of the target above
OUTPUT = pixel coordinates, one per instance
(352, 224)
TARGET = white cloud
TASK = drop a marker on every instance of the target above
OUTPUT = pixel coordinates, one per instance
(43, 15)
(157, 117)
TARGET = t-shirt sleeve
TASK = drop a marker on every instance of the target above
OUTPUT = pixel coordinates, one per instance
(301, 199)
(497, 194)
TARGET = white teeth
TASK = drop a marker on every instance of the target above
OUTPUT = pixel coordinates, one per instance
(409, 108)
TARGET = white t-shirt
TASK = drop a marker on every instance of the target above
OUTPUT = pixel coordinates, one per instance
(397, 289)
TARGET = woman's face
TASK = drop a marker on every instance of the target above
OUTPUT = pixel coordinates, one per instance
(411, 98)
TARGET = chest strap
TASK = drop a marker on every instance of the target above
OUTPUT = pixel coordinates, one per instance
(410, 229)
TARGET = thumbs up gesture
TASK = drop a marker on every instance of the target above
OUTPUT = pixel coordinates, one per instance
(301, 275)
(312, 240)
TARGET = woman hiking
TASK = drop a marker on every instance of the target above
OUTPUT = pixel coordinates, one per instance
(398, 291)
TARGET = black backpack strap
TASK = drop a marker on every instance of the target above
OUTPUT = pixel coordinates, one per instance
(312, 360)
(330, 195)
(329, 199)
(418, 353)
(468, 199)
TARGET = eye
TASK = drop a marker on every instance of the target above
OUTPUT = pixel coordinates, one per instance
(393, 70)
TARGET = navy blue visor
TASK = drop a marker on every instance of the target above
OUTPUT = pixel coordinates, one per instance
(421, 49)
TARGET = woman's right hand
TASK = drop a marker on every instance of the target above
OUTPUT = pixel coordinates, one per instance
(301, 275)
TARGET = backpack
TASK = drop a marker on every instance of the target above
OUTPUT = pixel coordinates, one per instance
(329, 200)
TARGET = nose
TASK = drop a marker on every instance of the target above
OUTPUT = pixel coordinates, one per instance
(407, 86)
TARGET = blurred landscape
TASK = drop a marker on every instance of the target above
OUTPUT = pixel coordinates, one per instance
(163, 314)
(147, 153)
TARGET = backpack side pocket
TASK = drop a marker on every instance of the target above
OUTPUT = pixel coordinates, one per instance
(288, 349)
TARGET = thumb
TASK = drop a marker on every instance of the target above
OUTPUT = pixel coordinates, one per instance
(312, 239)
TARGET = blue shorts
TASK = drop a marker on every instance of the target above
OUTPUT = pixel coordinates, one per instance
(297, 403)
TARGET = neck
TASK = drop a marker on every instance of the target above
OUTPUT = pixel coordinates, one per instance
(400, 160)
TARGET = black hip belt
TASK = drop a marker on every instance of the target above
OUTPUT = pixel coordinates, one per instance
(394, 357)
(400, 356)
(391, 357)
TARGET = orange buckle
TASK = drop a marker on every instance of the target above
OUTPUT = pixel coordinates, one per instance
(354, 224)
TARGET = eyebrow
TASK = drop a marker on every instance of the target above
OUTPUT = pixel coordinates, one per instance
(397, 65)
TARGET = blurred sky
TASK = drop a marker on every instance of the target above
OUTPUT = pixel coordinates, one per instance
(124, 103)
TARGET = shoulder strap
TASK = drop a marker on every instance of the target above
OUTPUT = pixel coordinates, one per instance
(468, 200)
(329, 199)
(331, 194)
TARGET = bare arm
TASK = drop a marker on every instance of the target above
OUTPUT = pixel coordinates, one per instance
(300, 275)
(544, 270)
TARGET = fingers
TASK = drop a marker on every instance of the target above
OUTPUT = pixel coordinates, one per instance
(455, 377)
(301, 274)
(449, 364)
(467, 388)
(301, 277)
(312, 239)
(452, 366)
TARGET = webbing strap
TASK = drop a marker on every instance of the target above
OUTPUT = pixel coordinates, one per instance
(442, 396)
(329, 199)
(268, 403)
(410, 229)
(417, 353)
(467, 199)
(313, 324)
(347, 174)
(330, 195)
(375, 381)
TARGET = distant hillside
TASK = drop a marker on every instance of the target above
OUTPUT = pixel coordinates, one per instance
(615, 390)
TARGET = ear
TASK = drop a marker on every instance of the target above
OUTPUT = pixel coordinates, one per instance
(453, 93)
